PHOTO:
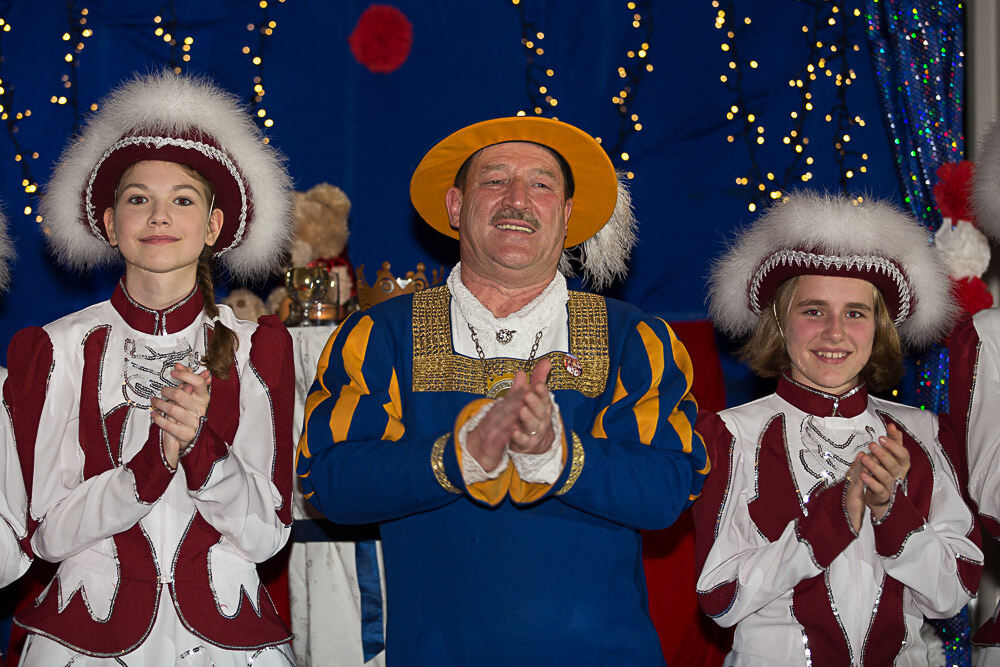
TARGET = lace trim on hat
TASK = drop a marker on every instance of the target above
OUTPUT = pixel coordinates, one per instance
(159, 142)
(850, 262)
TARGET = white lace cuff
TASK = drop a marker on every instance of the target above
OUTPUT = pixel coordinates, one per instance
(472, 472)
(546, 467)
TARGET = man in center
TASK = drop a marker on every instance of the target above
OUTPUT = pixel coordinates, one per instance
(510, 436)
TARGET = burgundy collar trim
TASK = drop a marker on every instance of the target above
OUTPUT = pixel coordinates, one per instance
(157, 322)
(819, 403)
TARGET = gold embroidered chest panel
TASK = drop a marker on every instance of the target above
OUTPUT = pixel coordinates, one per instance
(436, 366)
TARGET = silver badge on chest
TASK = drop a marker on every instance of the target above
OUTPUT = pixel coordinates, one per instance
(828, 455)
(146, 371)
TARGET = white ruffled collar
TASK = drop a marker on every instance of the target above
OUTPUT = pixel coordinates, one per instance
(525, 324)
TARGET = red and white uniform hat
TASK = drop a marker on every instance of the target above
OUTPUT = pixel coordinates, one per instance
(811, 233)
(182, 119)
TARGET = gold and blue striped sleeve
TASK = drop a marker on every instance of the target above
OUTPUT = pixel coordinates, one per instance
(642, 462)
(354, 460)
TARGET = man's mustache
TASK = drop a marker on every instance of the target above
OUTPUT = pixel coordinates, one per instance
(515, 214)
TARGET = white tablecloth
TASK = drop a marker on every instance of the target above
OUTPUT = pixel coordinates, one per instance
(322, 577)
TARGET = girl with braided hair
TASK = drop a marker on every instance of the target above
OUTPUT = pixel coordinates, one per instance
(154, 428)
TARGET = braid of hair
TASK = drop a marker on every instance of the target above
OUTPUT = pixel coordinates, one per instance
(222, 345)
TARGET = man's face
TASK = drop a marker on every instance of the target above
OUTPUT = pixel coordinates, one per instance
(511, 214)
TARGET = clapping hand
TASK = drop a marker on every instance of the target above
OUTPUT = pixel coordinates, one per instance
(884, 468)
(179, 411)
(522, 419)
(874, 475)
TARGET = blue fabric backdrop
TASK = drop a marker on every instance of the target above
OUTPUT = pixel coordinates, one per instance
(365, 132)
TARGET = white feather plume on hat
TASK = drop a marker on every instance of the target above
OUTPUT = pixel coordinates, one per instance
(167, 104)
(603, 258)
(840, 230)
(986, 184)
(6, 253)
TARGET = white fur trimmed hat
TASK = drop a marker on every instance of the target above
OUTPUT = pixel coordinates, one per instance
(6, 253)
(811, 233)
(182, 119)
(986, 184)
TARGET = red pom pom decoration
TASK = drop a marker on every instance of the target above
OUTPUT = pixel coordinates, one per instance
(953, 189)
(972, 294)
(382, 39)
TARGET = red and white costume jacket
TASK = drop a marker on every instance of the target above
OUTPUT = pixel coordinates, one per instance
(125, 528)
(974, 401)
(14, 559)
(777, 554)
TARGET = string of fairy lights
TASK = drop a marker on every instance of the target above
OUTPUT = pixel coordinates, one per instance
(167, 28)
(829, 45)
(539, 76)
(74, 37)
(264, 27)
(11, 120)
(635, 67)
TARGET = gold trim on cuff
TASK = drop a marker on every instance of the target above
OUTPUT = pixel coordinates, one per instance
(437, 464)
(577, 466)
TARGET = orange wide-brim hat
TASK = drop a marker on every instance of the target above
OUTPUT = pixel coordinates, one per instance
(596, 185)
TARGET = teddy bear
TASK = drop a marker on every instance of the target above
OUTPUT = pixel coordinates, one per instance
(320, 240)
(245, 304)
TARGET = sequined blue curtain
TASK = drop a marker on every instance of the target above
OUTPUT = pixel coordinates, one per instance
(918, 55)
(917, 51)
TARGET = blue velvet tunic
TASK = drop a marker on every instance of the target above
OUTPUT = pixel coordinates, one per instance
(526, 573)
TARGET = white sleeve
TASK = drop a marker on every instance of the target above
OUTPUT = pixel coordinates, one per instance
(13, 502)
(928, 556)
(742, 567)
(74, 513)
(243, 488)
(983, 426)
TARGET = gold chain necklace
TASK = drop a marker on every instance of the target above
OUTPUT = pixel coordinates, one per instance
(497, 385)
